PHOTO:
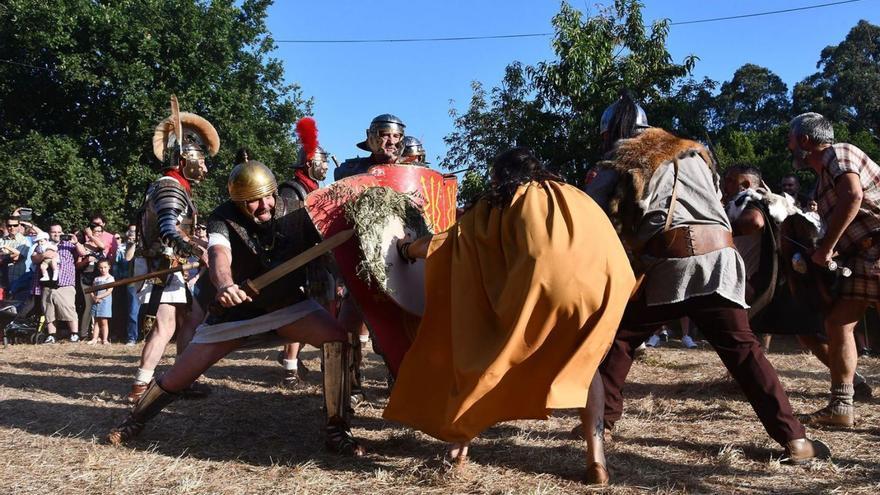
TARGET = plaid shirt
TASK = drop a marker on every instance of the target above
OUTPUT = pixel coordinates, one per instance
(837, 160)
(67, 256)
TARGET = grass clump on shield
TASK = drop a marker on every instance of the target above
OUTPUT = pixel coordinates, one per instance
(378, 214)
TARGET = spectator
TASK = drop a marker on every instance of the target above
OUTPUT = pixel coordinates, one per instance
(93, 240)
(134, 264)
(13, 254)
(791, 185)
(49, 250)
(59, 303)
(102, 305)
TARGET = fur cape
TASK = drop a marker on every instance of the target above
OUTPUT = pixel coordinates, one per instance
(635, 160)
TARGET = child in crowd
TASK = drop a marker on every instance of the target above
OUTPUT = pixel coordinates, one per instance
(49, 250)
(102, 305)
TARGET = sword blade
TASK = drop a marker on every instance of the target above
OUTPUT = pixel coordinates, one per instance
(298, 261)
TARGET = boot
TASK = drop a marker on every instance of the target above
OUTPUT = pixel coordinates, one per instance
(336, 364)
(154, 400)
(803, 449)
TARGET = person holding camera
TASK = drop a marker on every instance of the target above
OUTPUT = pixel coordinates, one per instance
(103, 244)
(14, 247)
(93, 242)
(59, 302)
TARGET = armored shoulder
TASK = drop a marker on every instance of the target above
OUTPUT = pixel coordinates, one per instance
(352, 166)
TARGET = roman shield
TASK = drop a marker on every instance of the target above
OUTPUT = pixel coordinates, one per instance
(393, 316)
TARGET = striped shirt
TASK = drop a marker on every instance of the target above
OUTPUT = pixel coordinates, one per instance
(839, 159)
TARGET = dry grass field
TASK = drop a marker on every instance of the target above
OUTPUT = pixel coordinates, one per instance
(686, 430)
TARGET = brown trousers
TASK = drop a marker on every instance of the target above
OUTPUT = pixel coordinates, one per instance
(726, 326)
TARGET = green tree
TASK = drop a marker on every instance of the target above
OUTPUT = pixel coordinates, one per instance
(847, 86)
(755, 99)
(97, 75)
(554, 107)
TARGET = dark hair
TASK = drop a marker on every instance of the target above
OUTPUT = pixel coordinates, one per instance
(623, 121)
(97, 214)
(790, 176)
(743, 169)
(511, 169)
(242, 155)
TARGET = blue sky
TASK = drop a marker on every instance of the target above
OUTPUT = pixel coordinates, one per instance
(420, 82)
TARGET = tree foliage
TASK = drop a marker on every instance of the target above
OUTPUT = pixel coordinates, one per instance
(94, 78)
(554, 107)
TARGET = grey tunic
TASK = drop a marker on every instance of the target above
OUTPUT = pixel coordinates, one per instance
(674, 280)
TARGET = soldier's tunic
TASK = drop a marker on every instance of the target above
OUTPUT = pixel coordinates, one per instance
(255, 250)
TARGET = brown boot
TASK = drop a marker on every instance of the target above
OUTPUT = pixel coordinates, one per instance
(597, 475)
(151, 402)
(825, 417)
(803, 449)
(137, 391)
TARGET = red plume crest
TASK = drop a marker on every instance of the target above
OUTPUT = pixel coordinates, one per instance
(307, 130)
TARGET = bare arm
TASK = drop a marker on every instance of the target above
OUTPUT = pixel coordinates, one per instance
(129, 251)
(750, 222)
(849, 198)
(220, 270)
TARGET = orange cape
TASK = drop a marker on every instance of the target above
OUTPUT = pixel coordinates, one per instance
(522, 303)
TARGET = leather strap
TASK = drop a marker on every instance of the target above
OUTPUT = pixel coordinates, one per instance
(687, 241)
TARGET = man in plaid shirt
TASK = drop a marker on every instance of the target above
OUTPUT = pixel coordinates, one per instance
(848, 196)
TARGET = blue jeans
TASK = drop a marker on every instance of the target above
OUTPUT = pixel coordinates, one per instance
(134, 306)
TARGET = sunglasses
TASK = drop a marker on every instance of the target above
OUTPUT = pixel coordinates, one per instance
(12, 224)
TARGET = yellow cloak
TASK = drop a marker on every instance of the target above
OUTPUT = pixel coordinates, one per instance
(522, 303)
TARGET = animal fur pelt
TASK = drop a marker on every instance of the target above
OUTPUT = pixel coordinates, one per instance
(780, 206)
(635, 160)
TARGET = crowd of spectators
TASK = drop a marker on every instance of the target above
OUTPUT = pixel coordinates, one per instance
(45, 274)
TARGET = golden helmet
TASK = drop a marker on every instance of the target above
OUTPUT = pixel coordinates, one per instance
(251, 180)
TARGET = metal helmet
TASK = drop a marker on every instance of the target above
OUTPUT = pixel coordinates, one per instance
(249, 181)
(386, 121)
(413, 151)
(182, 140)
(608, 114)
(319, 164)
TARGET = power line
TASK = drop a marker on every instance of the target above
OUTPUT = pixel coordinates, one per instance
(758, 14)
(536, 35)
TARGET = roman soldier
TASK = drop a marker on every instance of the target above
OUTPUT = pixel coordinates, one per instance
(666, 209)
(384, 142)
(413, 152)
(165, 238)
(310, 169)
(248, 235)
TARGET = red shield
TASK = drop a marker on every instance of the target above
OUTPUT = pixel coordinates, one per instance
(434, 193)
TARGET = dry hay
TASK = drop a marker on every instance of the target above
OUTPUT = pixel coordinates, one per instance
(370, 214)
(686, 429)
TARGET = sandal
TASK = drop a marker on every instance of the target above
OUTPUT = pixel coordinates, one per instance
(340, 441)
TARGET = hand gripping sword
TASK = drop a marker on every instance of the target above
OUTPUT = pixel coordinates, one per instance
(253, 286)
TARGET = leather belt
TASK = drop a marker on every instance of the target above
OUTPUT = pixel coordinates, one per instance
(691, 240)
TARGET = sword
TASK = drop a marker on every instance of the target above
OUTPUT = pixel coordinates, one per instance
(253, 286)
(130, 280)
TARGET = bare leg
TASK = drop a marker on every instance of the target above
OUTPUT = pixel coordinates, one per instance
(765, 342)
(816, 347)
(193, 362)
(594, 432)
(159, 337)
(96, 332)
(105, 330)
(457, 453)
(187, 323)
(839, 326)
